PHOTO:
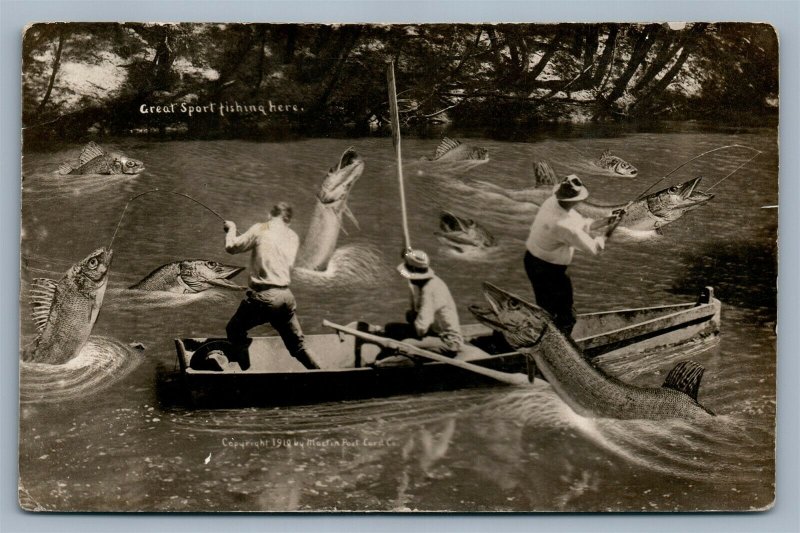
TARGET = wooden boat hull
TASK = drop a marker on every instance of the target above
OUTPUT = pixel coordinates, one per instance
(275, 378)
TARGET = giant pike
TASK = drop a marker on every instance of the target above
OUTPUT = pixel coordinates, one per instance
(95, 160)
(326, 220)
(463, 233)
(588, 390)
(453, 150)
(649, 213)
(189, 276)
(65, 311)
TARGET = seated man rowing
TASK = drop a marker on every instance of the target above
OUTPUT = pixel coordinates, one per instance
(432, 322)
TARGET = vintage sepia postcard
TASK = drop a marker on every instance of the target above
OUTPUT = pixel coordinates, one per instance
(442, 267)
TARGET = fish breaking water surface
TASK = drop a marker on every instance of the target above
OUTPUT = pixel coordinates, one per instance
(65, 311)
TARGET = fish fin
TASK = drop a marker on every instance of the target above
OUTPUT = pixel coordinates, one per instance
(445, 146)
(65, 168)
(90, 151)
(685, 377)
(41, 295)
(543, 174)
(352, 217)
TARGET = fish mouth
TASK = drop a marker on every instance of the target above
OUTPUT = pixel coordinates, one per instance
(228, 272)
(224, 274)
(690, 197)
(490, 315)
(450, 222)
(342, 177)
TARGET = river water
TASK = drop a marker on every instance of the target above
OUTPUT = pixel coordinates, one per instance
(101, 434)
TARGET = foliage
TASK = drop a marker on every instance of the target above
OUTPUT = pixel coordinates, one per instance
(90, 78)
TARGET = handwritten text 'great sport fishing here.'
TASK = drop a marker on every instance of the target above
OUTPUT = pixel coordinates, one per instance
(222, 108)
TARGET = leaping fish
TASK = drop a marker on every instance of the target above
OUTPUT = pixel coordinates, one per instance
(453, 150)
(617, 165)
(326, 220)
(584, 387)
(189, 276)
(65, 311)
(95, 160)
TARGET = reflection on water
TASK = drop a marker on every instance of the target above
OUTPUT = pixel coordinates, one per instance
(106, 433)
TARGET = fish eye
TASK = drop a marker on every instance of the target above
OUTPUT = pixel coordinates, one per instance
(93, 262)
(513, 305)
(673, 189)
(211, 264)
(130, 163)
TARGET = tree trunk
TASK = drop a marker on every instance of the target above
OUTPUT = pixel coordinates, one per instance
(640, 49)
(666, 52)
(54, 71)
(659, 86)
(604, 64)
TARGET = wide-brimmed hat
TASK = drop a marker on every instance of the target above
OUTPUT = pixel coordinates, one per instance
(571, 189)
(415, 265)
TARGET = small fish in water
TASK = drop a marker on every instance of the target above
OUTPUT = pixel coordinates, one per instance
(588, 390)
(65, 311)
(462, 233)
(453, 150)
(189, 276)
(617, 165)
(95, 160)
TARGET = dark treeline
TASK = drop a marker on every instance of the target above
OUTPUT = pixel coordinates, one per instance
(83, 79)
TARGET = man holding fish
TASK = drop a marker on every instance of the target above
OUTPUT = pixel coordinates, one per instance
(557, 231)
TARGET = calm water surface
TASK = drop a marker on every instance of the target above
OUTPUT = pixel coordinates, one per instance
(102, 434)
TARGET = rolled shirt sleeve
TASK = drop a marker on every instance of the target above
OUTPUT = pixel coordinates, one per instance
(242, 243)
(578, 238)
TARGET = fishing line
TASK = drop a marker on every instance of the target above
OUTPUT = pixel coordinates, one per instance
(161, 191)
(671, 172)
(734, 171)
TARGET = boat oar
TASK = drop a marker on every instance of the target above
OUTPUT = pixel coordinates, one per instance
(511, 379)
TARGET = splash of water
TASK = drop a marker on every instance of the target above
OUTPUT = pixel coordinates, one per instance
(101, 363)
(351, 265)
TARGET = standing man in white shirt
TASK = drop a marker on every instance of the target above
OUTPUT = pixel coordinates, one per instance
(557, 231)
(273, 247)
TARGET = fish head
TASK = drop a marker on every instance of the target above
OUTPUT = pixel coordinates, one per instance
(122, 164)
(341, 178)
(522, 323)
(201, 274)
(670, 204)
(480, 153)
(623, 168)
(459, 231)
(92, 272)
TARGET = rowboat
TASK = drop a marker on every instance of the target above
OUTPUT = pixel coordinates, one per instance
(273, 377)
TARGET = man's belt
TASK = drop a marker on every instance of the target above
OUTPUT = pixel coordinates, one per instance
(266, 286)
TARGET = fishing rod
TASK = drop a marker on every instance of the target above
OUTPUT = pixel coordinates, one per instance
(674, 170)
(395, 116)
(734, 171)
(134, 198)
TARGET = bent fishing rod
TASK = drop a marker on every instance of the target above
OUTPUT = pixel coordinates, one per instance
(151, 191)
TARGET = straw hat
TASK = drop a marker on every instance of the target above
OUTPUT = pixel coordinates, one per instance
(571, 189)
(416, 265)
